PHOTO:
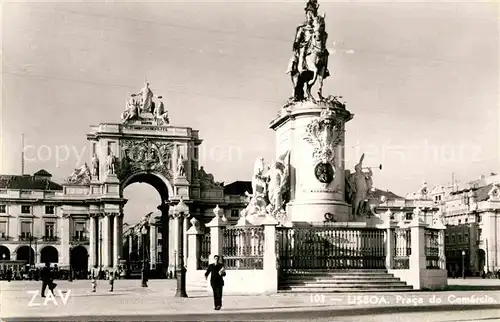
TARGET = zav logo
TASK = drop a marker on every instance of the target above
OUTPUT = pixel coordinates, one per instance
(49, 298)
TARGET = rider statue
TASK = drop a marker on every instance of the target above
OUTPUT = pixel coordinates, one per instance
(310, 58)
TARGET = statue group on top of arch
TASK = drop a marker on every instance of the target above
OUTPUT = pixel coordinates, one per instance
(270, 189)
(142, 103)
(309, 63)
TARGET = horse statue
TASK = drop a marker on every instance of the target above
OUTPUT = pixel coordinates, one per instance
(309, 65)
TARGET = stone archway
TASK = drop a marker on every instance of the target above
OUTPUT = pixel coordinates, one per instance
(49, 254)
(164, 188)
(79, 259)
(4, 253)
(25, 253)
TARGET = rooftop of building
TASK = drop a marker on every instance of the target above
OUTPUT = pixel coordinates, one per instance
(40, 180)
(238, 188)
(378, 193)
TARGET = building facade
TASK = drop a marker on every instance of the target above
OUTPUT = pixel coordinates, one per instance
(472, 215)
(30, 217)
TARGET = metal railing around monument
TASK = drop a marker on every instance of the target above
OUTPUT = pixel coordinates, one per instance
(243, 247)
(327, 247)
(432, 248)
(402, 248)
(204, 250)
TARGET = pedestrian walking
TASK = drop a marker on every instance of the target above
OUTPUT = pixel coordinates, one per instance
(111, 281)
(47, 279)
(217, 272)
(94, 283)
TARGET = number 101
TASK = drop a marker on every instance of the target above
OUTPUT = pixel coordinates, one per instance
(317, 298)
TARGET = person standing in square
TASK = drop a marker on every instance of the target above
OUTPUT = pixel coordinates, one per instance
(47, 279)
(216, 272)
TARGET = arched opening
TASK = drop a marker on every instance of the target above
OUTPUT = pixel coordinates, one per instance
(4, 253)
(25, 253)
(145, 192)
(79, 261)
(49, 254)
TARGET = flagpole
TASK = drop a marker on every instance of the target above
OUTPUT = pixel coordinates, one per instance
(22, 154)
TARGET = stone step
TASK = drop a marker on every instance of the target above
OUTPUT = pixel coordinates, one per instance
(353, 285)
(338, 275)
(340, 283)
(333, 270)
(345, 290)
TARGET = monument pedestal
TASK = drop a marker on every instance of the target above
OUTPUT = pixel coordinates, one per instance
(313, 133)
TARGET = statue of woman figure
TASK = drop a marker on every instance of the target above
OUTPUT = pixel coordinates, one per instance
(146, 99)
(95, 167)
(277, 176)
(258, 183)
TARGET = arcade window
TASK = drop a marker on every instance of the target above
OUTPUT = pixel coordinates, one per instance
(25, 229)
(49, 210)
(3, 229)
(3, 209)
(49, 229)
(25, 209)
(79, 230)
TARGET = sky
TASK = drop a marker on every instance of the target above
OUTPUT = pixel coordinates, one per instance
(422, 79)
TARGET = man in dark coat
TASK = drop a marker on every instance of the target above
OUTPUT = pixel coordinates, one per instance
(47, 280)
(216, 272)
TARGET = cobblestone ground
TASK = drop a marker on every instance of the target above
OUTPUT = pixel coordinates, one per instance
(22, 299)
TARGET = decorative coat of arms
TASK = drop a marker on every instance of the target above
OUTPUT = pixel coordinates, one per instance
(145, 155)
(324, 134)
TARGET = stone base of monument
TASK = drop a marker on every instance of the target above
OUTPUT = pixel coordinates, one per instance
(318, 211)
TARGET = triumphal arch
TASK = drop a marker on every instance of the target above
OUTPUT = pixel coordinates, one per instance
(142, 147)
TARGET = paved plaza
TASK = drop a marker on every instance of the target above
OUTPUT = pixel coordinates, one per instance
(20, 301)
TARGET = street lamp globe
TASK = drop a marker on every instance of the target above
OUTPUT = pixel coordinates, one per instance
(144, 231)
(4, 256)
(463, 253)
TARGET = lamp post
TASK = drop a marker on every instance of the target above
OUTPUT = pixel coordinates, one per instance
(100, 253)
(144, 231)
(180, 212)
(463, 264)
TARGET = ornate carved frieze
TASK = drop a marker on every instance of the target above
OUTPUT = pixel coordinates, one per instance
(325, 134)
(145, 155)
